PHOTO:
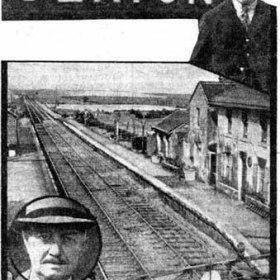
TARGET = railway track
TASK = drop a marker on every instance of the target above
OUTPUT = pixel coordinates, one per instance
(139, 240)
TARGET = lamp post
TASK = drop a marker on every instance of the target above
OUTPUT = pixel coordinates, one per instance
(133, 129)
(117, 122)
(143, 132)
(17, 133)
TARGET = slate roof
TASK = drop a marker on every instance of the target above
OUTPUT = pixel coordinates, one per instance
(234, 95)
(173, 121)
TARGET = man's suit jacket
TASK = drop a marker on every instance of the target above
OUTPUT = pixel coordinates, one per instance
(224, 46)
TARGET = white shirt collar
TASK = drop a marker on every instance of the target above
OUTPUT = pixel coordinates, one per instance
(251, 8)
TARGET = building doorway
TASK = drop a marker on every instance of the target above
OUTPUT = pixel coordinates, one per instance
(212, 179)
(243, 189)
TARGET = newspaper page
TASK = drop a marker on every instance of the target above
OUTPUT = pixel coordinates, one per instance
(138, 139)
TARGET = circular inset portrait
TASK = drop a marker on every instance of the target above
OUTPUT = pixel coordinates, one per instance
(54, 238)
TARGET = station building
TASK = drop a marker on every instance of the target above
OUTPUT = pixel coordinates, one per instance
(230, 139)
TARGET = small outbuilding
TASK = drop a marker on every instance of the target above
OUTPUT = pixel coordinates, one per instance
(171, 137)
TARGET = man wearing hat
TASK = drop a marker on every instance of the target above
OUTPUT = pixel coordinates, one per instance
(61, 237)
(237, 39)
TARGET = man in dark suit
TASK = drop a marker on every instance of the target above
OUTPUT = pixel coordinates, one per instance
(237, 40)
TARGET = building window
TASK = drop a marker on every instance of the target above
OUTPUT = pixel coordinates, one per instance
(227, 167)
(263, 123)
(261, 175)
(198, 116)
(260, 181)
(245, 123)
(229, 117)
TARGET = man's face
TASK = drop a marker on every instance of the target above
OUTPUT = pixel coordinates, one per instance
(54, 252)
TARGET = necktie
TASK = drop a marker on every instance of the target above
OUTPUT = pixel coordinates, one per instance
(245, 17)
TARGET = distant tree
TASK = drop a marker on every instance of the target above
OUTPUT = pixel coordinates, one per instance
(79, 116)
(85, 99)
(132, 111)
(138, 114)
(152, 114)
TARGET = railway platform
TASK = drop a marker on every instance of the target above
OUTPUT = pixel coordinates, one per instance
(230, 217)
(27, 173)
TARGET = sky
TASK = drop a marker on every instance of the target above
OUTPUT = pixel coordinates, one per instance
(108, 78)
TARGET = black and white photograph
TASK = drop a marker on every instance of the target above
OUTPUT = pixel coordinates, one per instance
(172, 162)
(139, 139)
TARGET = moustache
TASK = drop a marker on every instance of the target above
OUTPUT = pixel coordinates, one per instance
(56, 261)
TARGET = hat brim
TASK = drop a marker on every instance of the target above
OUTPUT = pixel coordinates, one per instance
(55, 220)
